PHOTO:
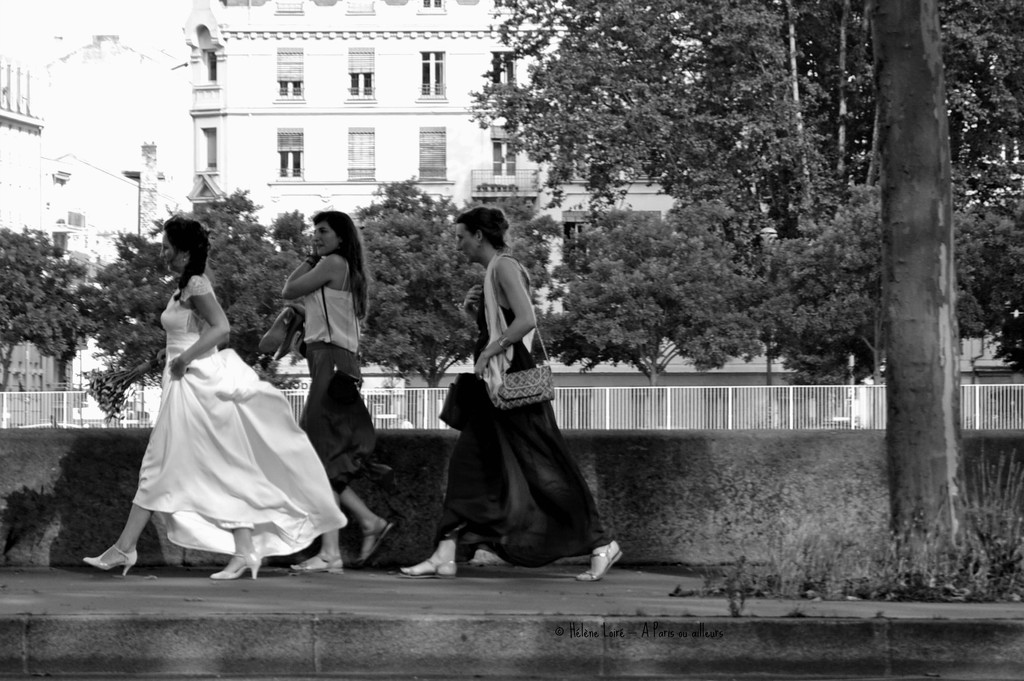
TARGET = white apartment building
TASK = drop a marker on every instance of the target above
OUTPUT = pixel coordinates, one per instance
(21, 130)
(312, 104)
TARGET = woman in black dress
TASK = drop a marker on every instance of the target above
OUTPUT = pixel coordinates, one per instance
(332, 285)
(512, 483)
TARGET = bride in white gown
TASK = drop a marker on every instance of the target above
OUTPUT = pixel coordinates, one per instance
(227, 466)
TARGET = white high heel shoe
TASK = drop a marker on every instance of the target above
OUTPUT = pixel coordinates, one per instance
(250, 562)
(127, 559)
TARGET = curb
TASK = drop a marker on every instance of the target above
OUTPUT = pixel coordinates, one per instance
(468, 646)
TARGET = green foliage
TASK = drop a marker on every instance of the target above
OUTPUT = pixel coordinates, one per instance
(125, 300)
(807, 559)
(40, 302)
(692, 95)
(415, 325)
(247, 267)
(829, 283)
(288, 231)
(990, 272)
(983, 58)
(643, 291)
(699, 97)
(419, 279)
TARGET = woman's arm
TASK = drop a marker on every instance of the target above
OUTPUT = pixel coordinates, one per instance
(309, 277)
(509, 280)
(216, 331)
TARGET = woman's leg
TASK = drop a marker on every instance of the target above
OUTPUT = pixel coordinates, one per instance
(123, 551)
(245, 556)
(373, 526)
(440, 564)
(138, 518)
(328, 558)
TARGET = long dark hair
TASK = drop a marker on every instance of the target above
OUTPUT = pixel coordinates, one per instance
(351, 248)
(189, 236)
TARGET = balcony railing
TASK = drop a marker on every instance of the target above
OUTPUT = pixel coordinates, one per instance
(432, 91)
(207, 97)
(650, 408)
(488, 183)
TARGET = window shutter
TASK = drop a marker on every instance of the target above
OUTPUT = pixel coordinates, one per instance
(289, 139)
(433, 152)
(360, 60)
(289, 64)
(361, 153)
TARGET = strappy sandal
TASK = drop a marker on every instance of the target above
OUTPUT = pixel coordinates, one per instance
(318, 564)
(610, 554)
(429, 570)
(372, 542)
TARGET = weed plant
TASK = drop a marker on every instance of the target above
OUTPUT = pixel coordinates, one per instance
(806, 559)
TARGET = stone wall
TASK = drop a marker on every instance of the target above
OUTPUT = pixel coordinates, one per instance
(693, 497)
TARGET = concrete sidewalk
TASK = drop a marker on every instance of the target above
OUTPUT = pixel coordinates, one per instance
(490, 621)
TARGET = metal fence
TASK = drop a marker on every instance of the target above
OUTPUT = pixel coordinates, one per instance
(648, 408)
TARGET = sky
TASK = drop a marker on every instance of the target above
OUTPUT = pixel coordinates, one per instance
(34, 32)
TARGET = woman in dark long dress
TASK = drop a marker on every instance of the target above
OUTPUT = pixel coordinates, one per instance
(332, 285)
(512, 483)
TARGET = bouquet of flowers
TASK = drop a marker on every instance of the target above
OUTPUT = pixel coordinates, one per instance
(110, 388)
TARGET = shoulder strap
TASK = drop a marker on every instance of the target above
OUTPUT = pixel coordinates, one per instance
(536, 328)
(327, 320)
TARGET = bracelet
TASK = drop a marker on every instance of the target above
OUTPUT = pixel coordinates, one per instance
(505, 343)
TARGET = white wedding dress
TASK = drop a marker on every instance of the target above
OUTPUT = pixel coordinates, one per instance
(226, 452)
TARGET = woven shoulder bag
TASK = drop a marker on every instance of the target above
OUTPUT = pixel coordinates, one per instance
(528, 386)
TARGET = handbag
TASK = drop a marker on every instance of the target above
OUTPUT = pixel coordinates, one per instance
(458, 402)
(527, 386)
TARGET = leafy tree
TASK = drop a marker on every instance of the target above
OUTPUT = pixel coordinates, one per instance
(830, 283)
(41, 303)
(643, 291)
(125, 300)
(983, 59)
(990, 273)
(414, 325)
(289, 232)
(694, 96)
(248, 268)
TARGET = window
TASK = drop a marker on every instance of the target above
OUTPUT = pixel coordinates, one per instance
(360, 73)
(210, 57)
(289, 7)
(210, 134)
(433, 153)
(360, 6)
(289, 73)
(289, 151)
(433, 74)
(361, 154)
(504, 162)
(503, 68)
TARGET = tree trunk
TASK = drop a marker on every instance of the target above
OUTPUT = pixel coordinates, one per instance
(6, 356)
(922, 371)
(795, 78)
(844, 19)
